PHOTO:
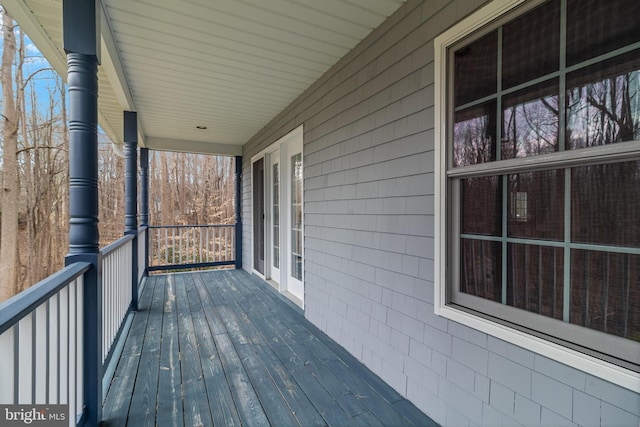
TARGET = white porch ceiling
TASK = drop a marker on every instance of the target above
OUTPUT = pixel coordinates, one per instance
(229, 65)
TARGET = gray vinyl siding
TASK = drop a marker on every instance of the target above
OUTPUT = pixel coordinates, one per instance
(368, 202)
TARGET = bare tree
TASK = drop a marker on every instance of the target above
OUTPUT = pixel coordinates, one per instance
(191, 189)
(9, 225)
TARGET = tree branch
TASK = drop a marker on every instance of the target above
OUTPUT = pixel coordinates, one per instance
(24, 84)
(38, 147)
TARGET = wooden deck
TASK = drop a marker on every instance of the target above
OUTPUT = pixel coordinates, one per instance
(223, 348)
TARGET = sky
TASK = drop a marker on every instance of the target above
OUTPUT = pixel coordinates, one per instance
(44, 82)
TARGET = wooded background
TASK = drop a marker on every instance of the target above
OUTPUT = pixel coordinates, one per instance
(184, 188)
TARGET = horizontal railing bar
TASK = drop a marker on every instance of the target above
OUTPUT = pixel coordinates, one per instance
(17, 307)
(116, 245)
(191, 226)
(196, 265)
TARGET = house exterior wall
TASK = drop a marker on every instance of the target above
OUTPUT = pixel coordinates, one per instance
(369, 206)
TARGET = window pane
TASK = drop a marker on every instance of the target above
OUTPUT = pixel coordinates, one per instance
(276, 214)
(535, 204)
(535, 279)
(476, 69)
(595, 27)
(480, 269)
(605, 204)
(474, 135)
(296, 216)
(530, 121)
(481, 202)
(605, 292)
(531, 45)
(603, 103)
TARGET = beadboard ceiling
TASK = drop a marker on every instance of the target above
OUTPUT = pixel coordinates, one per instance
(227, 65)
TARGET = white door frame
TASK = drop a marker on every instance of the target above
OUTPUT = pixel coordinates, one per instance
(293, 285)
(280, 152)
(274, 272)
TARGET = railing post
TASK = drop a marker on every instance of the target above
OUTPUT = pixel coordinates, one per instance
(144, 203)
(81, 43)
(131, 195)
(238, 242)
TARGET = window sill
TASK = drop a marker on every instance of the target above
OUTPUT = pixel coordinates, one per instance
(588, 364)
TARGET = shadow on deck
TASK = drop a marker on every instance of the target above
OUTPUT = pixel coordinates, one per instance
(223, 348)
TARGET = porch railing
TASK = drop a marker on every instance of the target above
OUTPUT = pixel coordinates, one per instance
(191, 246)
(142, 254)
(42, 332)
(116, 290)
(41, 341)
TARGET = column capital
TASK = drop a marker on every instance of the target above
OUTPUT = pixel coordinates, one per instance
(81, 27)
(144, 187)
(131, 127)
(130, 172)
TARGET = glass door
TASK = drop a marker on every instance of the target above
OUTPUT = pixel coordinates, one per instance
(258, 215)
(295, 235)
(274, 225)
(278, 240)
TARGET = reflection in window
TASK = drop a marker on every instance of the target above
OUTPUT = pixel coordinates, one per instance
(603, 103)
(474, 135)
(536, 205)
(545, 229)
(296, 216)
(519, 211)
(530, 122)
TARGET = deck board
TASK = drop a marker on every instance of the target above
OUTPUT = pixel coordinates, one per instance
(223, 408)
(224, 348)
(169, 400)
(146, 385)
(300, 409)
(116, 408)
(195, 400)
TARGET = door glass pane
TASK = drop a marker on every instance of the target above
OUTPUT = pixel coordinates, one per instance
(535, 279)
(296, 216)
(603, 103)
(481, 269)
(535, 204)
(276, 214)
(605, 204)
(605, 292)
(258, 215)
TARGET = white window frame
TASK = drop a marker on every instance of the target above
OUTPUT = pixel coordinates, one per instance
(589, 364)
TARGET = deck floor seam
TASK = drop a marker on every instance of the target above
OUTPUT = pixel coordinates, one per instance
(227, 349)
